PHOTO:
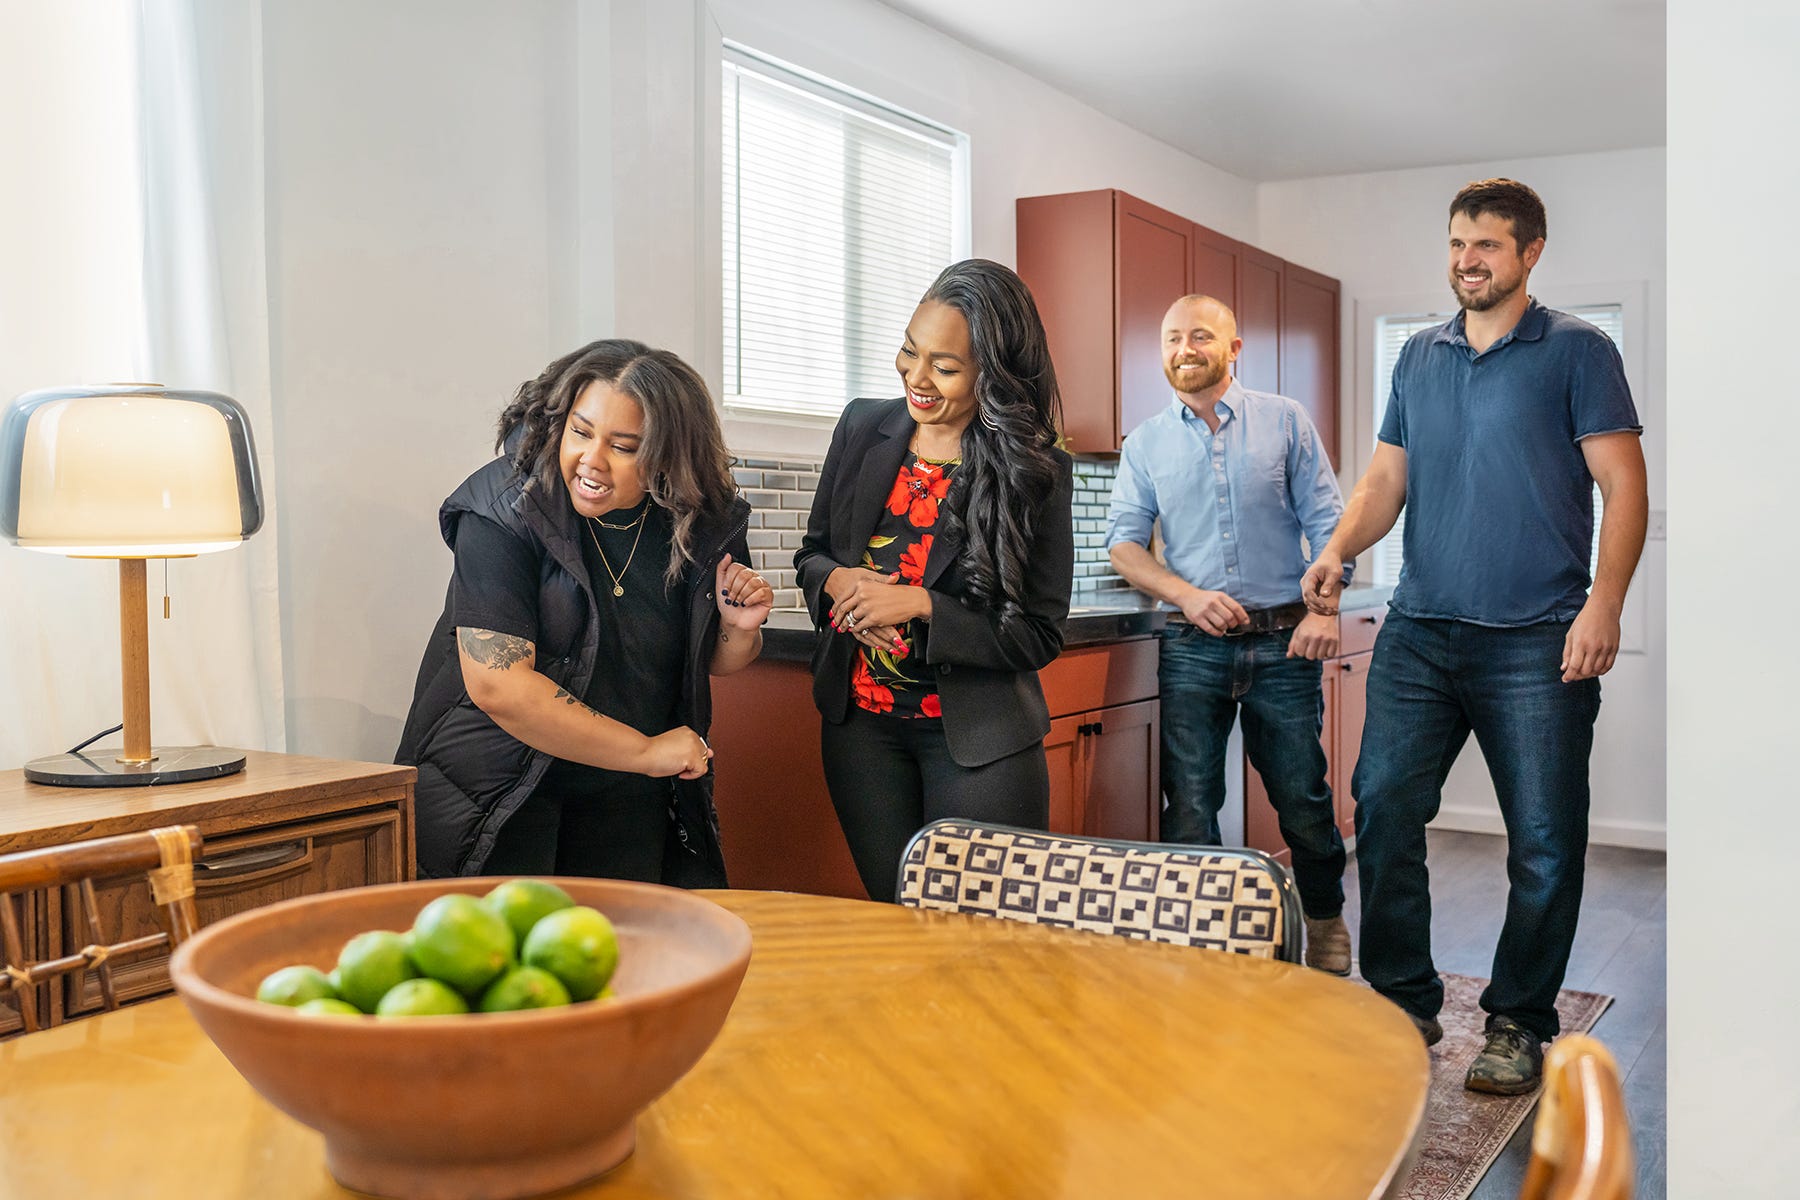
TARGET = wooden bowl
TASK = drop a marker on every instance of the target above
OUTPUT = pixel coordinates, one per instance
(489, 1106)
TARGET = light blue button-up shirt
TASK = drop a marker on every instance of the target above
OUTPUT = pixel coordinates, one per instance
(1233, 504)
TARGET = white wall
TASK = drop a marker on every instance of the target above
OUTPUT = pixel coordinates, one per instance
(1382, 235)
(1734, 814)
(416, 152)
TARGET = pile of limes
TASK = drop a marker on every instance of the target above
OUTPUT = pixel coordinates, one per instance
(526, 944)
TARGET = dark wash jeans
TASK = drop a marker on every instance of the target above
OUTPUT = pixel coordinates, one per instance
(1204, 681)
(1431, 683)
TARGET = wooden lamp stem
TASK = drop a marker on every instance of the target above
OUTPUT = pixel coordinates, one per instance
(134, 648)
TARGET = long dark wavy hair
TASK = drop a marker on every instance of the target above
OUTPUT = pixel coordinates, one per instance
(682, 459)
(1009, 462)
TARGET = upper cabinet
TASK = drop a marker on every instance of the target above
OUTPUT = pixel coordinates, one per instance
(1104, 267)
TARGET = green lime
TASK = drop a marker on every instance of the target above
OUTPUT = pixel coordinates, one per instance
(294, 986)
(328, 1006)
(578, 946)
(421, 998)
(607, 993)
(523, 901)
(459, 941)
(524, 987)
(371, 963)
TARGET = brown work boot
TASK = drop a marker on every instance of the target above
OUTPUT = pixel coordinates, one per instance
(1428, 1028)
(1328, 945)
(1512, 1062)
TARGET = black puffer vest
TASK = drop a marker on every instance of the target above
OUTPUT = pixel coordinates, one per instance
(473, 775)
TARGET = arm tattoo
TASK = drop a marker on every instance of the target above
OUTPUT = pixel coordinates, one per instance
(495, 651)
(563, 695)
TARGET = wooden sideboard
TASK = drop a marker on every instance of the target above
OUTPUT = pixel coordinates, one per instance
(284, 826)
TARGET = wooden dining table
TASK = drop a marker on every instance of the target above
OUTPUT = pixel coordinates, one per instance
(873, 1051)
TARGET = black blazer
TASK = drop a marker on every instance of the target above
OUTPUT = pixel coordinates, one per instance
(987, 678)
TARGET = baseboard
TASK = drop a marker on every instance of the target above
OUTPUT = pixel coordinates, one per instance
(1635, 835)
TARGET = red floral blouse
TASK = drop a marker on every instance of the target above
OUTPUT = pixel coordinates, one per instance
(886, 680)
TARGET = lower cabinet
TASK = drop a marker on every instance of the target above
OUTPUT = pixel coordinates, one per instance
(1345, 682)
(1104, 742)
(776, 821)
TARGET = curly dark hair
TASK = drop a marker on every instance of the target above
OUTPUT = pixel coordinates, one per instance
(1009, 459)
(683, 460)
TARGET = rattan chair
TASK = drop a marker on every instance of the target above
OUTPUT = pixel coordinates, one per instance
(165, 855)
(1216, 898)
(1581, 1144)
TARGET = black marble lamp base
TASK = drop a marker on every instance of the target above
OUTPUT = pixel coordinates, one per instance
(102, 768)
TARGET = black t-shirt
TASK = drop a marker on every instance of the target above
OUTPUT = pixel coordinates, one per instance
(642, 650)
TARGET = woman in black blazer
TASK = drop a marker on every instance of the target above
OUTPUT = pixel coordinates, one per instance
(937, 566)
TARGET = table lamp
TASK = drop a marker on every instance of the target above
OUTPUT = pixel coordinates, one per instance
(131, 471)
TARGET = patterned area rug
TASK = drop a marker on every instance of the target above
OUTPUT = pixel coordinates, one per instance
(1465, 1131)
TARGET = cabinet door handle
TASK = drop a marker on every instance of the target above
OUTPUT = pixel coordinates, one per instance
(1099, 728)
(1345, 666)
(1369, 620)
(254, 863)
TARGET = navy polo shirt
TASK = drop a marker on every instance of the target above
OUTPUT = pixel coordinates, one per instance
(1499, 501)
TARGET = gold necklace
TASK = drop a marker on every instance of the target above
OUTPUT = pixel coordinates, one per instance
(642, 509)
(618, 579)
(933, 462)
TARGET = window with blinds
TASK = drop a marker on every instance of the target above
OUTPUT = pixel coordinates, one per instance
(838, 213)
(1391, 335)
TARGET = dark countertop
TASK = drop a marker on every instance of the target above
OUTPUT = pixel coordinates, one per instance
(1095, 618)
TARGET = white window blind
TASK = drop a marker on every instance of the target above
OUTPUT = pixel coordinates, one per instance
(838, 214)
(1391, 334)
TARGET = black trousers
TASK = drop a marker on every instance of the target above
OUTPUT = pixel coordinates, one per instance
(612, 832)
(890, 776)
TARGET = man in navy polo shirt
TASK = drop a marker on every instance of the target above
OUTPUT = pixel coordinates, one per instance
(1500, 423)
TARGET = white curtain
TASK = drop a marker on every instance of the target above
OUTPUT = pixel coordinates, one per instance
(135, 252)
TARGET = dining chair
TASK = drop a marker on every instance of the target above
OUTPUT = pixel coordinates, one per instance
(1213, 897)
(1581, 1144)
(165, 855)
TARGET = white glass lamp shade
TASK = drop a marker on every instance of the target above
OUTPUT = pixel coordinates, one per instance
(127, 471)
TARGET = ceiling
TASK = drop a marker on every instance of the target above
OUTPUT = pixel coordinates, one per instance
(1289, 89)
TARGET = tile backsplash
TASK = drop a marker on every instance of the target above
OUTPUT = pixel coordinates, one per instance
(780, 492)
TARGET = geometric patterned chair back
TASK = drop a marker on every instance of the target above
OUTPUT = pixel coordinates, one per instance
(1216, 898)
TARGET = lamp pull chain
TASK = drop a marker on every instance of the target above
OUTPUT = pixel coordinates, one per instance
(165, 589)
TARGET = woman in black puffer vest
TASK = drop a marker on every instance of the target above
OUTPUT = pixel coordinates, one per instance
(602, 574)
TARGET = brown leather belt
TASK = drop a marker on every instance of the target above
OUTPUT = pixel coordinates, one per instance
(1262, 620)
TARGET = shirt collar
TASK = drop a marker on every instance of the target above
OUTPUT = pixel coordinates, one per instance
(1232, 402)
(1529, 329)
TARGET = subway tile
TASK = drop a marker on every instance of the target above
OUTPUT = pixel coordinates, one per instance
(764, 539)
(792, 540)
(747, 479)
(788, 598)
(762, 464)
(763, 499)
(786, 481)
(782, 520)
(799, 500)
(799, 464)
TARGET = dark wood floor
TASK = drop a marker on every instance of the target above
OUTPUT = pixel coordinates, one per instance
(1620, 949)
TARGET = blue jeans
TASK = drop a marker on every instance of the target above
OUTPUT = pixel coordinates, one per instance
(1430, 684)
(1205, 680)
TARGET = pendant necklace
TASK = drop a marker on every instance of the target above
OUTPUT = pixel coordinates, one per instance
(619, 578)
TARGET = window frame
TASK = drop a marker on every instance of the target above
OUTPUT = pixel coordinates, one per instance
(737, 413)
